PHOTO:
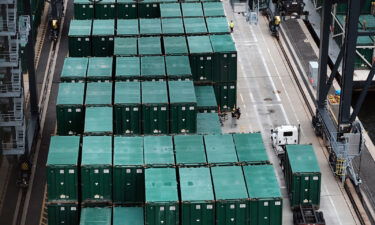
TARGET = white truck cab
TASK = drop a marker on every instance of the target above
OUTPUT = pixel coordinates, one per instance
(284, 135)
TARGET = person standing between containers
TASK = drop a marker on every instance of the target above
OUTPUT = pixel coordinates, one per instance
(231, 26)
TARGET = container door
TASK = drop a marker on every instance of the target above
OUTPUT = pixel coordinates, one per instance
(207, 67)
(131, 185)
(118, 127)
(197, 214)
(232, 95)
(231, 213)
(104, 11)
(315, 187)
(232, 67)
(69, 120)
(264, 212)
(62, 184)
(162, 214)
(97, 184)
(135, 117)
(163, 118)
(79, 46)
(83, 11)
(63, 214)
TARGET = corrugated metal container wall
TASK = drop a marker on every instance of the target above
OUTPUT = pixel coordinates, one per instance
(129, 27)
(178, 68)
(220, 149)
(149, 27)
(226, 95)
(201, 57)
(80, 38)
(213, 9)
(93, 126)
(103, 32)
(183, 107)
(195, 26)
(158, 151)
(127, 108)
(128, 172)
(175, 46)
(97, 216)
(208, 123)
(105, 9)
(128, 68)
(62, 171)
(161, 197)
(125, 47)
(265, 206)
(149, 46)
(74, 70)
(230, 195)
(170, 10)
(153, 68)
(128, 216)
(250, 148)
(83, 9)
(206, 100)
(197, 196)
(189, 150)
(96, 169)
(172, 26)
(127, 9)
(69, 108)
(100, 69)
(98, 94)
(192, 9)
(155, 112)
(63, 213)
(302, 175)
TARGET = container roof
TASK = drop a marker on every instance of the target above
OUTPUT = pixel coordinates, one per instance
(229, 183)
(208, 123)
(177, 65)
(96, 215)
(199, 44)
(105, 1)
(213, 9)
(223, 43)
(205, 96)
(149, 26)
(128, 215)
(128, 151)
(170, 10)
(100, 67)
(127, 27)
(195, 25)
(128, 67)
(175, 45)
(261, 182)
(71, 94)
(63, 150)
(126, 1)
(83, 2)
(182, 92)
(189, 149)
(173, 26)
(250, 147)
(149, 46)
(103, 28)
(152, 66)
(158, 150)
(99, 93)
(80, 28)
(97, 150)
(75, 67)
(128, 93)
(220, 148)
(196, 184)
(217, 25)
(93, 125)
(154, 92)
(161, 185)
(302, 159)
(192, 9)
(125, 46)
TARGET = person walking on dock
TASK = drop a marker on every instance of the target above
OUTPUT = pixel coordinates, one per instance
(231, 26)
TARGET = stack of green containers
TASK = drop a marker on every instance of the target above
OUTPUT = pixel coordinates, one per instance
(201, 62)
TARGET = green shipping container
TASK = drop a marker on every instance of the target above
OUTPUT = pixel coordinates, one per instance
(250, 148)
(128, 171)
(128, 216)
(265, 197)
(127, 108)
(197, 196)
(93, 126)
(201, 61)
(97, 216)
(183, 107)
(149, 46)
(208, 123)
(63, 213)
(172, 26)
(129, 27)
(155, 112)
(225, 58)
(213, 9)
(125, 46)
(226, 95)
(149, 27)
(103, 32)
(175, 46)
(62, 168)
(128, 68)
(195, 26)
(302, 175)
(83, 9)
(69, 108)
(220, 149)
(190, 150)
(127, 9)
(230, 195)
(170, 10)
(192, 9)
(217, 25)
(158, 151)
(96, 169)
(98, 94)
(100, 69)
(149, 9)
(80, 38)
(178, 68)
(74, 69)
(161, 197)
(153, 68)
(105, 9)
(206, 100)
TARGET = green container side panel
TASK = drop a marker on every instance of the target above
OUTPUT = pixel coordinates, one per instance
(105, 9)
(63, 213)
(195, 26)
(62, 163)
(158, 151)
(213, 9)
(178, 68)
(217, 25)
(125, 47)
(128, 171)
(150, 26)
(175, 46)
(168, 10)
(96, 215)
(103, 37)
(128, 68)
(128, 27)
(190, 150)
(162, 213)
(191, 9)
(153, 68)
(100, 69)
(206, 100)
(127, 9)
(250, 148)
(208, 123)
(98, 94)
(201, 54)
(128, 215)
(226, 95)
(74, 69)
(161, 186)
(172, 26)
(232, 212)
(93, 126)
(149, 46)
(220, 149)
(148, 9)
(83, 10)
(79, 38)
(127, 108)
(69, 108)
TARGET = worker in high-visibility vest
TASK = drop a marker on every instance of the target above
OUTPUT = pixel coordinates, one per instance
(231, 26)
